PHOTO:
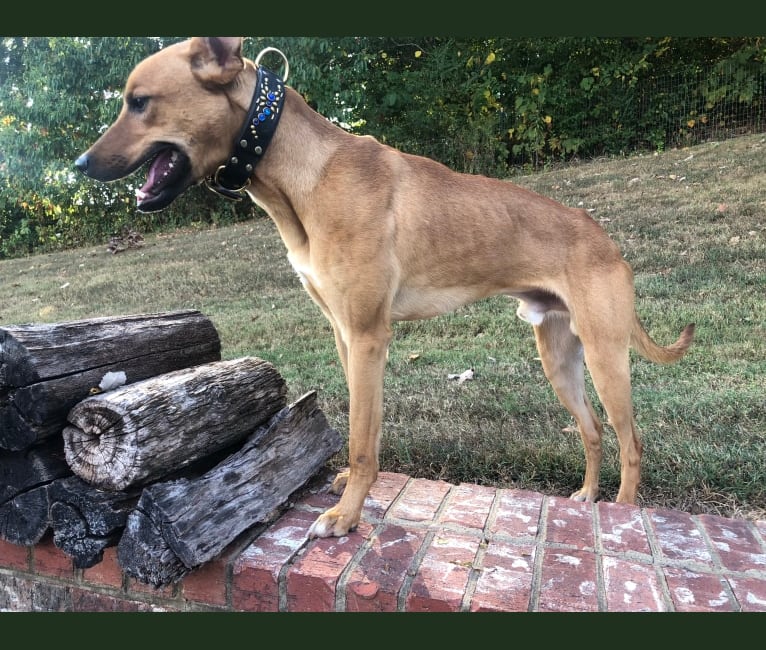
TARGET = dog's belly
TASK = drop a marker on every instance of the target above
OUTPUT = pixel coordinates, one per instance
(414, 304)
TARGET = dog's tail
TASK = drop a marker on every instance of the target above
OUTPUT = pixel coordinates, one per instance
(646, 347)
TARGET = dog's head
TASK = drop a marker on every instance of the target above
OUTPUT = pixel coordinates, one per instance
(182, 108)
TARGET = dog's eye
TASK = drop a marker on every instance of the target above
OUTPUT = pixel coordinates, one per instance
(138, 104)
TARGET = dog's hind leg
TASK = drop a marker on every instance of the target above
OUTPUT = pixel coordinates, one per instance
(610, 370)
(561, 353)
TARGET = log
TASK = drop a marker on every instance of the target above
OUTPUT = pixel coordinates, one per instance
(32, 467)
(45, 369)
(86, 520)
(179, 525)
(139, 433)
(24, 477)
(25, 518)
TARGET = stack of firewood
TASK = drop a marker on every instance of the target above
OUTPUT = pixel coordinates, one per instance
(131, 431)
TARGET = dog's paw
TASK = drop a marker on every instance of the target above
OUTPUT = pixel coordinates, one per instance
(332, 524)
(584, 495)
(339, 484)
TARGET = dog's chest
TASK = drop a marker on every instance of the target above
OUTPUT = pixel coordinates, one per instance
(304, 271)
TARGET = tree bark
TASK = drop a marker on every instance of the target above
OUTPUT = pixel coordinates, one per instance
(139, 433)
(179, 525)
(45, 369)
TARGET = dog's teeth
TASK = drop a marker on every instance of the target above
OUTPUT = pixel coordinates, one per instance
(140, 195)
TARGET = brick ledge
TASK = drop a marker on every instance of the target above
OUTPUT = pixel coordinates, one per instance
(433, 546)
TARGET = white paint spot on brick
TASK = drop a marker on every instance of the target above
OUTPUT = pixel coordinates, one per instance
(684, 595)
(588, 588)
(630, 585)
(568, 559)
(718, 602)
(754, 600)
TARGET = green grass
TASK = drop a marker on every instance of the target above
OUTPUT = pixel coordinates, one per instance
(692, 223)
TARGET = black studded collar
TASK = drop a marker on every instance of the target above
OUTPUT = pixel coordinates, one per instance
(232, 178)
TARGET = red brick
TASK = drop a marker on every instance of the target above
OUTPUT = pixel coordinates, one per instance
(255, 575)
(697, 592)
(468, 506)
(443, 574)
(312, 579)
(735, 542)
(206, 584)
(622, 529)
(420, 501)
(91, 601)
(138, 587)
(382, 493)
(750, 592)
(678, 536)
(47, 559)
(631, 587)
(13, 556)
(570, 522)
(568, 582)
(517, 514)
(374, 585)
(505, 581)
(107, 572)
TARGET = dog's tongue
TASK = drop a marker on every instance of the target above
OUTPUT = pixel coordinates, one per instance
(159, 172)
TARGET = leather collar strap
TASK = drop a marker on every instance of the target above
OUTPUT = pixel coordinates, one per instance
(231, 179)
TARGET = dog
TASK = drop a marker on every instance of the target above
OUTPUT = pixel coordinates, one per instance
(377, 236)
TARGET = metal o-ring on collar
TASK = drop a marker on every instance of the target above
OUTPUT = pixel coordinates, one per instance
(266, 50)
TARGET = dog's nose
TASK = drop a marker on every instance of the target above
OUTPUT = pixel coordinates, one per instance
(82, 163)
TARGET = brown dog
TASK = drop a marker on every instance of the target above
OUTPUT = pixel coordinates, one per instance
(377, 235)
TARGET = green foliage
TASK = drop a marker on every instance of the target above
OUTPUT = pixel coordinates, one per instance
(479, 105)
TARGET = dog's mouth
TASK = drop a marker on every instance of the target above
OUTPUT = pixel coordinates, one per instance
(168, 176)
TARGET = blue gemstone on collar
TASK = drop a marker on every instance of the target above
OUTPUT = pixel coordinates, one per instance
(267, 111)
(261, 117)
(271, 96)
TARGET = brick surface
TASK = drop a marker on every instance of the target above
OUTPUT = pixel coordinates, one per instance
(735, 542)
(568, 582)
(443, 574)
(750, 592)
(569, 522)
(678, 536)
(91, 601)
(312, 579)
(255, 573)
(517, 514)
(621, 528)
(420, 500)
(505, 581)
(382, 494)
(376, 583)
(13, 556)
(50, 560)
(691, 591)
(107, 572)
(632, 587)
(207, 584)
(468, 506)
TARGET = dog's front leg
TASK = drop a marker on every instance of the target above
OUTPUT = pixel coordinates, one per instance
(366, 365)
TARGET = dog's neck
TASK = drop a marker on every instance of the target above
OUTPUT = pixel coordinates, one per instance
(232, 177)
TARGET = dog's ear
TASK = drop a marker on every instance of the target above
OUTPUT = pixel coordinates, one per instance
(216, 60)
